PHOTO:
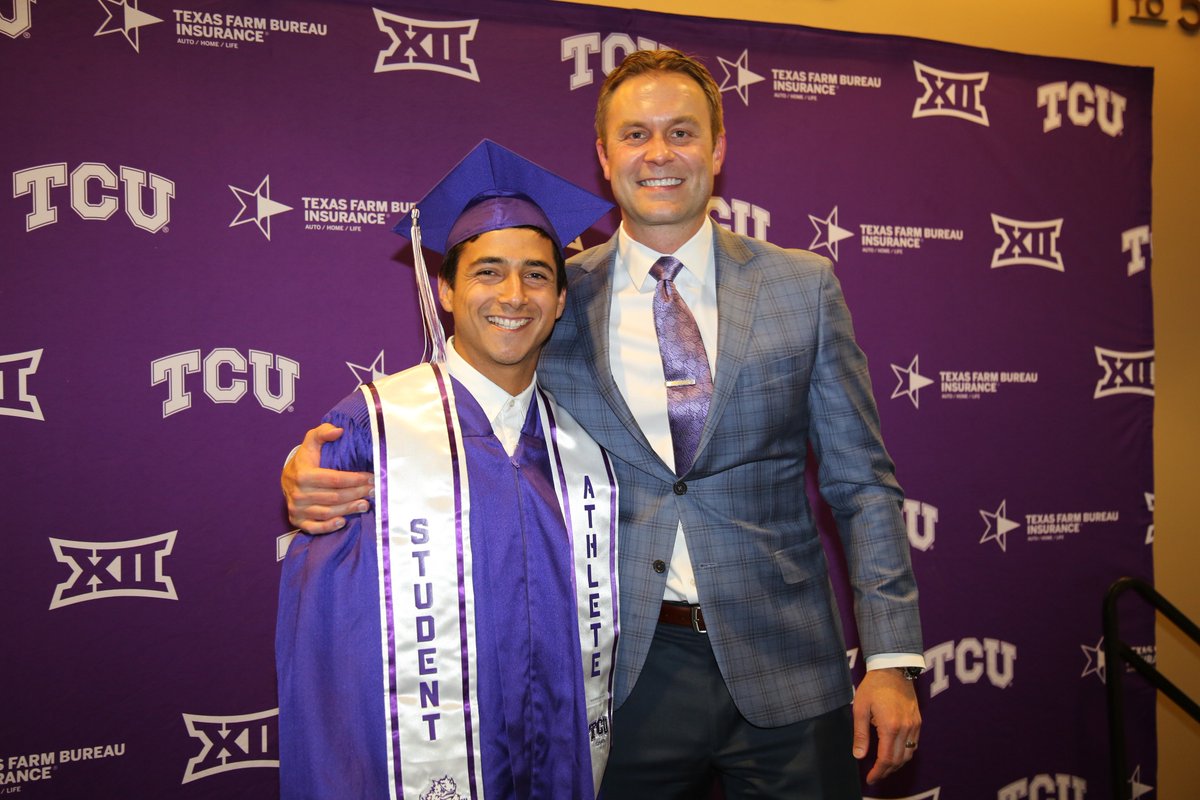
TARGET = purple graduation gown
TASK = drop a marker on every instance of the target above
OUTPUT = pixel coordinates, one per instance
(531, 718)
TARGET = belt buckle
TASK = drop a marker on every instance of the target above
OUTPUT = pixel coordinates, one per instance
(696, 622)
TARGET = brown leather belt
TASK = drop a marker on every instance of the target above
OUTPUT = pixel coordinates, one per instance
(687, 616)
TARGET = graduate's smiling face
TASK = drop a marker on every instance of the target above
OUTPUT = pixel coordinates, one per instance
(505, 300)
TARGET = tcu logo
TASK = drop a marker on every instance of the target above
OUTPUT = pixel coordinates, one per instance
(1132, 242)
(1033, 244)
(15, 399)
(14, 24)
(951, 94)
(736, 215)
(430, 45)
(1085, 104)
(229, 743)
(1045, 787)
(921, 521)
(970, 663)
(579, 49)
(114, 569)
(89, 182)
(172, 369)
(1125, 373)
(598, 730)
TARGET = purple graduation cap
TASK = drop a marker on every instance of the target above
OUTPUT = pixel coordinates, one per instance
(490, 189)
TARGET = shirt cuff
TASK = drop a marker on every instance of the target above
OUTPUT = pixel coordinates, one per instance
(886, 660)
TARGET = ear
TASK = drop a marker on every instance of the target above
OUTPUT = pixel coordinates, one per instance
(446, 295)
(718, 154)
(603, 156)
(562, 304)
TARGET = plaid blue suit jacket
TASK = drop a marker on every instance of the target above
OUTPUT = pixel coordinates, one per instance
(788, 372)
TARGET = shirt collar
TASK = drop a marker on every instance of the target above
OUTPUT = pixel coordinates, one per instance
(491, 398)
(696, 254)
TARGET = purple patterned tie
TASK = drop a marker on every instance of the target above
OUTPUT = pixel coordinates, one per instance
(685, 363)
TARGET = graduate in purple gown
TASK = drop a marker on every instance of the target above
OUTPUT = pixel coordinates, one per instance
(456, 640)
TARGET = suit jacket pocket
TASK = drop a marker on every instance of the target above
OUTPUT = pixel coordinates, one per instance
(793, 366)
(802, 561)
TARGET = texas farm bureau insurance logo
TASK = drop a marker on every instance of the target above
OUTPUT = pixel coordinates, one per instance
(882, 237)
(258, 207)
(1042, 525)
(18, 771)
(957, 384)
(808, 84)
(232, 742)
(199, 28)
(1096, 659)
(229, 31)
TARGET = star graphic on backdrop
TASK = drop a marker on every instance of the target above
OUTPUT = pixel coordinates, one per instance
(910, 381)
(998, 526)
(829, 233)
(125, 18)
(257, 207)
(738, 77)
(1095, 660)
(368, 374)
(1137, 788)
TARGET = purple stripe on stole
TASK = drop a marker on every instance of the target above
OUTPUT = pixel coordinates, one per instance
(612, 572)
(612, 532)
(381, 508)
(462, 580)
(551, 427)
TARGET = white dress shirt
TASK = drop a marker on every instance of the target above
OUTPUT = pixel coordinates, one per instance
(505, 411)
(637, 365)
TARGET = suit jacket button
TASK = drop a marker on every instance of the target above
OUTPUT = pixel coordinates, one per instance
(660, 566)
(680, 487)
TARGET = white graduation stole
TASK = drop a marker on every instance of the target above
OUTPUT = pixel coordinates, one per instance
(426, 600)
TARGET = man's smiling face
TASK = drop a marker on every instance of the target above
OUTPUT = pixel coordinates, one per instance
(660, 156)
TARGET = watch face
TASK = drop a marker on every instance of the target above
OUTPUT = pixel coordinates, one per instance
(911, 673)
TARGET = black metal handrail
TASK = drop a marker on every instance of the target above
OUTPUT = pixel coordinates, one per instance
(1117, 653)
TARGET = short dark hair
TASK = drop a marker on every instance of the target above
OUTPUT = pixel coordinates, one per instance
(641, 62)
(449, 268)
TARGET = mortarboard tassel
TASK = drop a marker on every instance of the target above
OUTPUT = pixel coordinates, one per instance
(435, 335)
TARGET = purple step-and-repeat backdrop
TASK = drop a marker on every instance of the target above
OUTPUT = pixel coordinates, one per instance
(198, 262)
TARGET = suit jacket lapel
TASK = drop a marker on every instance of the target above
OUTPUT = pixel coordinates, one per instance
(737, 296)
